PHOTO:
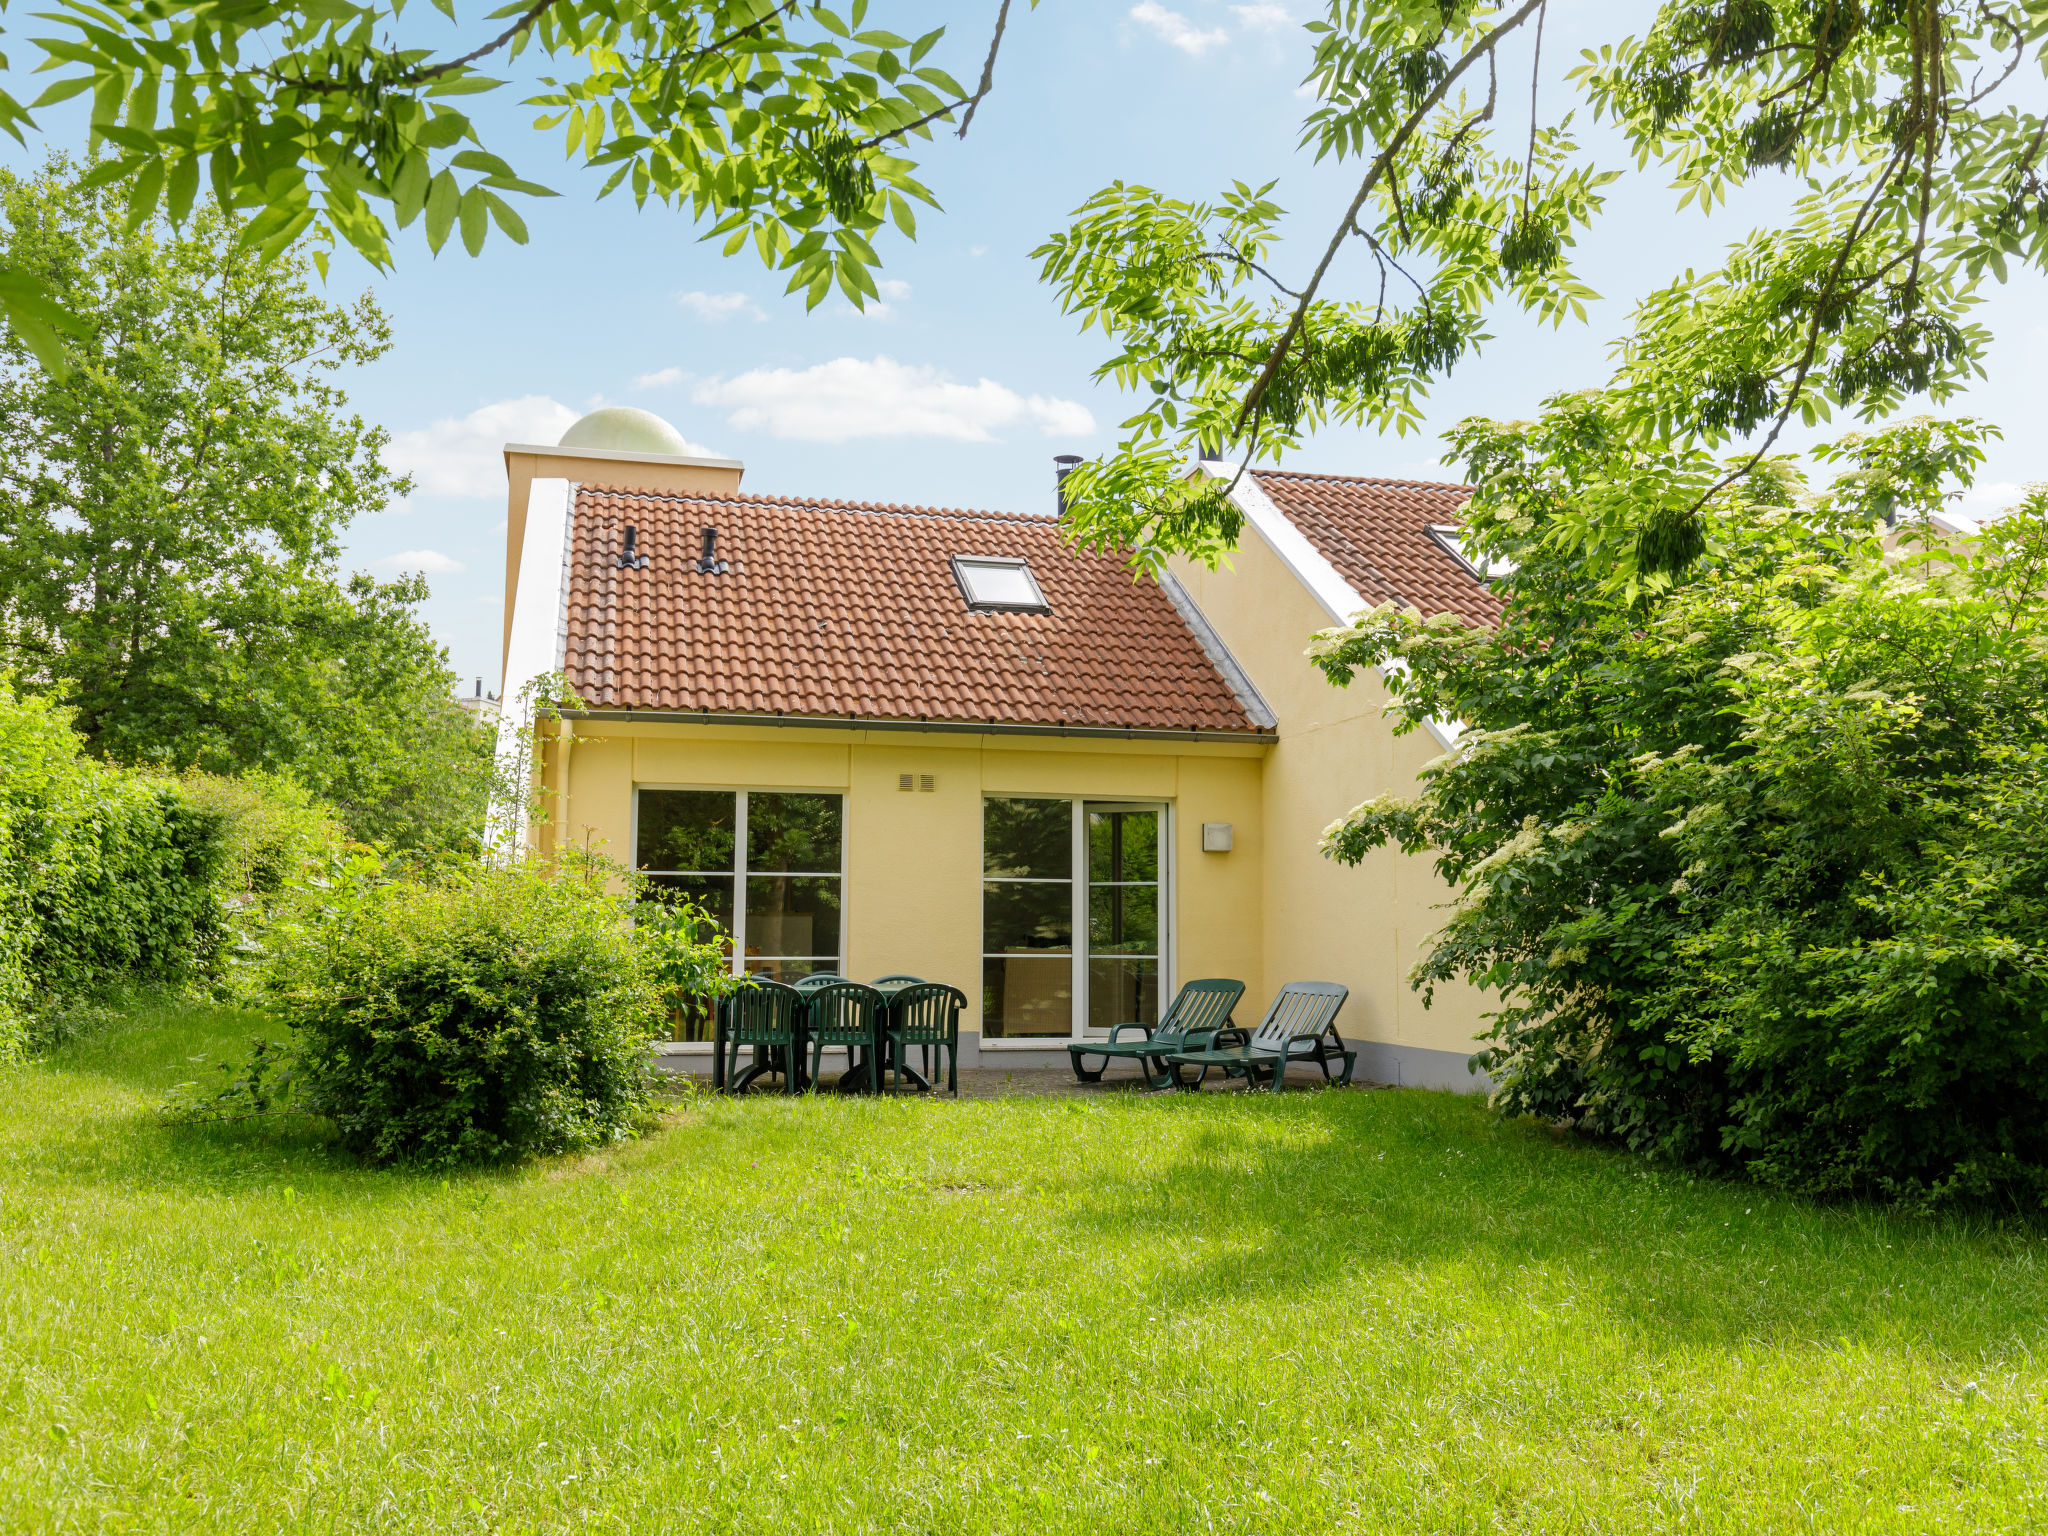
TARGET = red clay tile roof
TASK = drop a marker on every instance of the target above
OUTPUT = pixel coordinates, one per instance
(842, 609)
(1376, 533)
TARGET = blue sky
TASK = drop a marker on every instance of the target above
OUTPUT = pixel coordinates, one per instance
(960, 389)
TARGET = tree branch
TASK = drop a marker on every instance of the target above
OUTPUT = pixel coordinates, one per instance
(988, 83)
(1479, 50)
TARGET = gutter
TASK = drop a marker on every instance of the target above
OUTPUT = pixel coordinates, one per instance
(947, 727)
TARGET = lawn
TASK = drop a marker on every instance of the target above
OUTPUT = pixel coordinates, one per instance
(1360, 1311)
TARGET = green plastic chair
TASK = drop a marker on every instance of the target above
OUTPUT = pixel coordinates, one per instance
(927, 1015)
(1300, 1026)
(811, 983)
(898, 980)
(849, 1014)
(1202, 1008)
(767, 1016)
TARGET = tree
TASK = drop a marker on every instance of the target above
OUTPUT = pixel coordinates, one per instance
(170, 515)
(1906, 121)
(1752, 862)
(780, 124)
(787, 127)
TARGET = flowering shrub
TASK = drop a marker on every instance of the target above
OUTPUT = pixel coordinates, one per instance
(1753, 860)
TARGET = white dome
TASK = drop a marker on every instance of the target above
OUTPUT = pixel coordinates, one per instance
(628, 429)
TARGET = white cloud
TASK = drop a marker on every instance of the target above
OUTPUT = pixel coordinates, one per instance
(977, 251)
(464, 455)
(1263, 16)
(429, 562)
(719, 306)
(1173, 28)
(658, 378)
(893, 291)
(853, 398)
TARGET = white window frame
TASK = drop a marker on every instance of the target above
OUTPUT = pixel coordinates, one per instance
(739, 872)
(1169, 924)
(1451, 539)
(1007, 562)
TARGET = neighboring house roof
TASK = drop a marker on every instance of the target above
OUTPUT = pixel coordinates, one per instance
(847, 610)
(1376, 534)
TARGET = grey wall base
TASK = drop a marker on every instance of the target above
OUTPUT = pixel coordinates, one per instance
(1404, 1065)
(1411, 1066)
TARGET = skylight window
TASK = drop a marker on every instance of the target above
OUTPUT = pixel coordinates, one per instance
(1486, 568)
(993, 585)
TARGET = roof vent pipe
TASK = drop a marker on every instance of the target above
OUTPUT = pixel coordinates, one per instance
(708, 563)
(1063, 465)
(630, 558)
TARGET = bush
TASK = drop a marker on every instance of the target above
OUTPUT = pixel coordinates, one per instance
(107, 876)
(1754, 861)
(486, 1015)
(113, 879)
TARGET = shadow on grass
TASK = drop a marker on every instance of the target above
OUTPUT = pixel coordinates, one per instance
(93, 1115)
(1290, 1195)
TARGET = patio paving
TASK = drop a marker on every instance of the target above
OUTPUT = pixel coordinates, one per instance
(1047, 1082)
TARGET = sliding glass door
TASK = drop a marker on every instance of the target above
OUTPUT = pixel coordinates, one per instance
(1073, 931)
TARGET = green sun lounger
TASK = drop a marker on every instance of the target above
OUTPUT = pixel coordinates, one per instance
(1202, 1008)
(1299, 1027)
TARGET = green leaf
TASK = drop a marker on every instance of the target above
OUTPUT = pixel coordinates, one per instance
(507, 220)
(409, 188)
(478, 160)
(444, 198)
(183, 186)
(475, 219)
(143, 194)
(62, 90)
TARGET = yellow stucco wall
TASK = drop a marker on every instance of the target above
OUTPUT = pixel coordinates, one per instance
(1324, 921)
(913, 861)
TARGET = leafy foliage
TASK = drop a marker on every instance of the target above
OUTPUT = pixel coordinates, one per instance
(170, 518)
(111, 878)
(1909, 127)
(1751, 859)
(486, 1014)
(776, 124)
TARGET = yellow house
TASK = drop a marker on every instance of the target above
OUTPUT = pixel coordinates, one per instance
(881, 739)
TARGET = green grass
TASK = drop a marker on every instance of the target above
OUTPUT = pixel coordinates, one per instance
(1327, 1312)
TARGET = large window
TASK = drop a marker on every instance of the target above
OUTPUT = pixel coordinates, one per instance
(767, 864)
(1072, 931)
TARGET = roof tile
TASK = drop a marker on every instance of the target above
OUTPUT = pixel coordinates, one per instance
(1376, 533)
(844, 609)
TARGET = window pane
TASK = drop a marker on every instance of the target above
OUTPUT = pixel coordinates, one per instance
(1022, 997)
(1123, 918)
(793, 915)
(792, 833)
(1032, 838)
(711, 892)
(690, 1018)
(1123, 845)
(1004, 583)
(1122, 992)
(686, 829)
(789, 972)
(1018, 916)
